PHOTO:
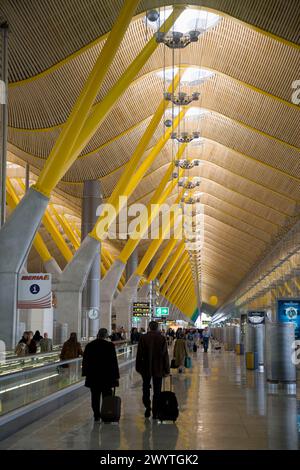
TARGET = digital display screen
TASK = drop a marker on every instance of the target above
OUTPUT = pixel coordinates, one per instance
(289, 312)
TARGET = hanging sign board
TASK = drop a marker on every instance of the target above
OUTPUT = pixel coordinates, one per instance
(34, 291)
(256, 317)
(141, 309)
(288, 311)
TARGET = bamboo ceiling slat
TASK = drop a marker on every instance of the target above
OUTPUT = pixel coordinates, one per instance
(273, 67)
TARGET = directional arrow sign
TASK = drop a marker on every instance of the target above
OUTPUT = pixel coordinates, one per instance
(161, 311)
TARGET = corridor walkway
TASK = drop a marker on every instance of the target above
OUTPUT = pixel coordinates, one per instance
(222, 406)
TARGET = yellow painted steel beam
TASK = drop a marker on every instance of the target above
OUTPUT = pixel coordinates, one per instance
(179, 297)
(182, 277)
(53, 231)
(142, 146)
(58, 239)
(162, 192)
(176, 289)
(172, 276)
(65, 150)
(180, 252)
(162, 260)
(98, 230)
(65, 226)
(101, 110)
(185, 293)
(38, 242)
(155, 244)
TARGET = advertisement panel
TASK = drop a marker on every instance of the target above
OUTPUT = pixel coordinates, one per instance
(288, 311)
(34, 291)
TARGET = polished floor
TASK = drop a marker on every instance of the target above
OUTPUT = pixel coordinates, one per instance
(222, 406)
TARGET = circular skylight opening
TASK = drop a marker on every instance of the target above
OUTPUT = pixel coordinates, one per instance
(191, 19)
(191, 76)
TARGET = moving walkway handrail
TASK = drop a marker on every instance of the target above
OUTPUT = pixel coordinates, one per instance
(50, 366)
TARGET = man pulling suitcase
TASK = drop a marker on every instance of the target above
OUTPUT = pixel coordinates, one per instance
(152, 362)
(100, 367)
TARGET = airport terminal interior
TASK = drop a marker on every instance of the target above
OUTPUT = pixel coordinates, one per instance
(149, 172)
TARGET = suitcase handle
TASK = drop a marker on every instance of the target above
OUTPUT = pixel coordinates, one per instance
(171, 383)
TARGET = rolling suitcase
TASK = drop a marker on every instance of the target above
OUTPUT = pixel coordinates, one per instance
(167, 405)
(111, 409)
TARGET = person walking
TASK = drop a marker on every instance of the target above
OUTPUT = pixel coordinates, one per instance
(100, 368)
(71, 348)
(206, 336)
(180, 352)
(46, 344)
(152, 362)
(37, 337)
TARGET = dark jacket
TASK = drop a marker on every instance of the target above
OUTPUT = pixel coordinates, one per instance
(100, 365)
(152, 358)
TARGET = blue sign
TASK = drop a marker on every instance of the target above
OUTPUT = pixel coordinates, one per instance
(34, 288)
(289, 312)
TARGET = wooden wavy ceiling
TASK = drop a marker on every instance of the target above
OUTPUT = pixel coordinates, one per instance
(250, 157)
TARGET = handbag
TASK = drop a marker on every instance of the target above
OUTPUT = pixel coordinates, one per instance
(173, 364)
(187, 362)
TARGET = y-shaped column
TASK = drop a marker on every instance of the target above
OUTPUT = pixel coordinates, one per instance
(15, 241)
(69, 284)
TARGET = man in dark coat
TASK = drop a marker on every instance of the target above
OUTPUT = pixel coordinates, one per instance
(152, 362)
(100, 367)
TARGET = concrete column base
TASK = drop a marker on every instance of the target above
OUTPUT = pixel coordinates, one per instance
(108, 288)
(69, 285)
(16, 238)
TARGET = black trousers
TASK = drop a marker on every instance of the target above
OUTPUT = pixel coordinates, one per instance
(157, 383)
(96, 393)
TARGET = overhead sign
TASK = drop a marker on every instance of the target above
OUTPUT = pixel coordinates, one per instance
(161, 311)
(34, 291)
(256, 317)
(141, 309)
(288, 311)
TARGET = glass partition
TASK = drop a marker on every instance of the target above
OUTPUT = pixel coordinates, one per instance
(23, 387)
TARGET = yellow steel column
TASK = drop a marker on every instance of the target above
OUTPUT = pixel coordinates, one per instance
(134, 181)
(162, 260)
(184, 286)
(101, 109)
(181, 278)
(184, 291)
(171, 264)
(159, 197)
(51, 228)
(141, 148)
(57, 237)
(174, 273)
(66, 227)
(154, 246)
(64, 151)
